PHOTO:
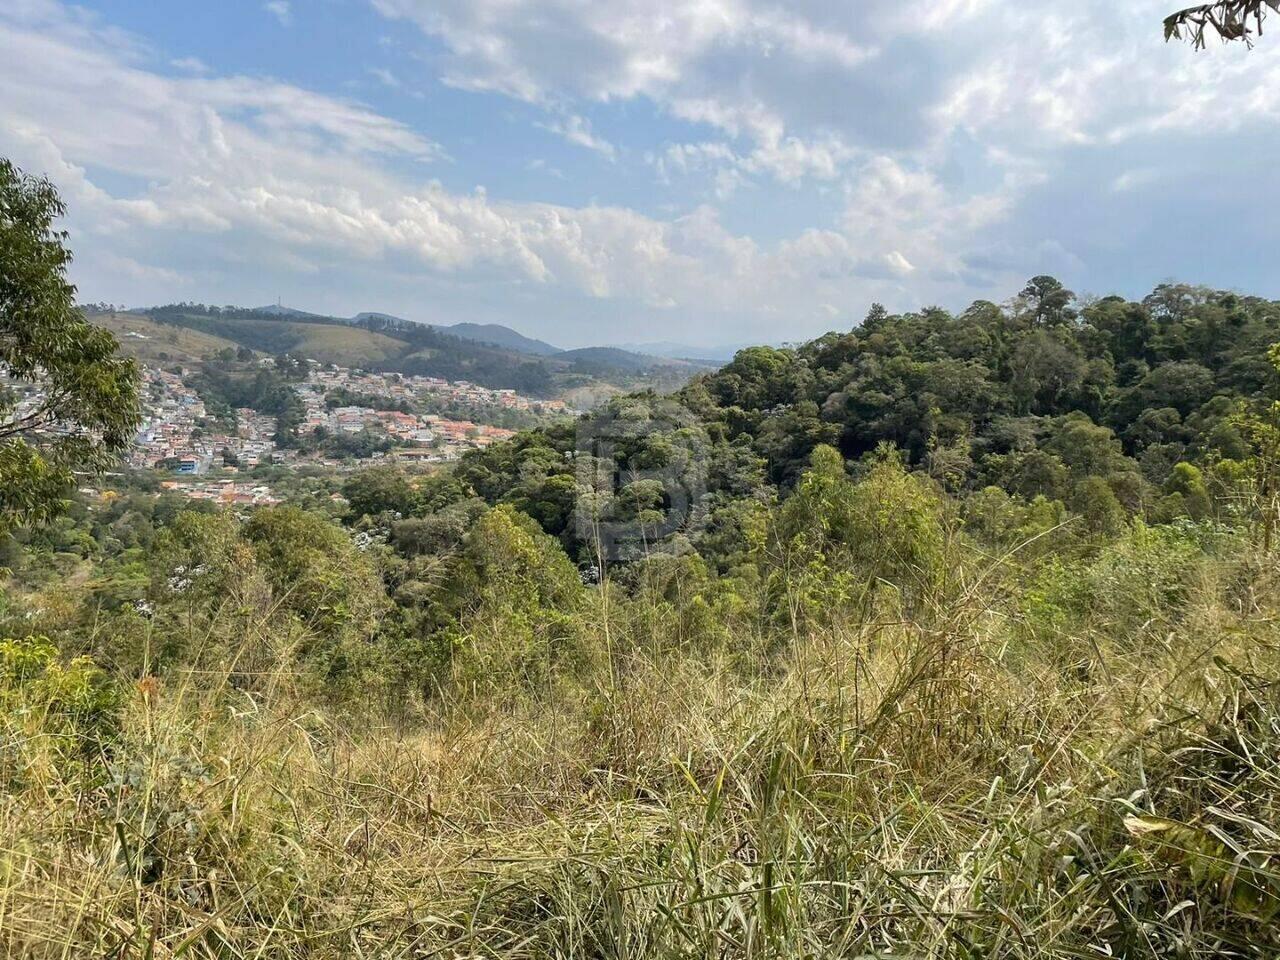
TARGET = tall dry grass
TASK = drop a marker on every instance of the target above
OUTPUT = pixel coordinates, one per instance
(985, 780)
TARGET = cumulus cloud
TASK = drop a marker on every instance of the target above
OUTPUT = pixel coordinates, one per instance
(264, 166)
(809, 84)
(932, 150)
(745, 67)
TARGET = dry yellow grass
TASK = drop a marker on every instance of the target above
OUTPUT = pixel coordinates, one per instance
(154, 343)
(894, 788)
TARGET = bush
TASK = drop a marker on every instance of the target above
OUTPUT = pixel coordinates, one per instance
(842, 545)
(1136, 588)
(54, 715)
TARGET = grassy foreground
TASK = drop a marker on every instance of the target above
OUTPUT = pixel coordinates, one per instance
(989, 777)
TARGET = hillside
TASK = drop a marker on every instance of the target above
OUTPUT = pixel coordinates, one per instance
(615, 358)
(155, 343)
(949, 636)
(1095, 409)
(488, 354)
(317, 339)
(493, 334)
(289, 313)
(498, 335)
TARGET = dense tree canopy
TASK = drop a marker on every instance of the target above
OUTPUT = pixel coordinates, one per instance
(1048, 396)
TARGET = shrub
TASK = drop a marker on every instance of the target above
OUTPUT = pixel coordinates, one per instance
(842, 545)
(53, 714)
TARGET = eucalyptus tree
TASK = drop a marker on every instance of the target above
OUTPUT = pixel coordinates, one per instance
(68, 401)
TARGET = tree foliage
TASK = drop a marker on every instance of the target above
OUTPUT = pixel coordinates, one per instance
(1035, 397)
(81, 399)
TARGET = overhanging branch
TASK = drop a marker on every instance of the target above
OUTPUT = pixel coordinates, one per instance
(1229, 19)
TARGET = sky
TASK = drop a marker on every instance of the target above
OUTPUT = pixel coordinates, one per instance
(631, 171)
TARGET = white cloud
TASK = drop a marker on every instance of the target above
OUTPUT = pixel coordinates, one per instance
(794, 76)
(1096, 72)
(707, 61)
(240, 175)
(538, 50)
(275, 175)
(190, 64)
(385, 77)
(280, 10)
(1134, 179)
(918, 131)
(577, 130)
(789, 161)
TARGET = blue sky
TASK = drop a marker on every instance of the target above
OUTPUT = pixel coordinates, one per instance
(611, 171)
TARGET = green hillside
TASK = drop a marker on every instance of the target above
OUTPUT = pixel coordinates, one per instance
(328, 342)
(1104, 410)
(950, 636)
(593, 359)
(384, 343)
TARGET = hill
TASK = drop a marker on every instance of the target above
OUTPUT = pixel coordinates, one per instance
(498, 335)
(492, 334)
(278, 310)
(326, 340)
(156, 343)
(950, 636)
(488, 354)
(376, 341)
(1099, 407)
(617, 359)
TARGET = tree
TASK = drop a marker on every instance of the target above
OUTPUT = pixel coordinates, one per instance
(1049, 300)
(1261, 428)
(839, 543)
(379, 490)
(1185, 494)
(1045, 373)
(1230, 19)
(1097, 504)
(507, 607)
(79, 401)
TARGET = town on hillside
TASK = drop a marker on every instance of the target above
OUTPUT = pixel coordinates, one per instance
(179, 432)
(342, 415)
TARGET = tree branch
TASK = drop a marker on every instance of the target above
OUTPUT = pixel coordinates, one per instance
(41, 416)
(1230, 19)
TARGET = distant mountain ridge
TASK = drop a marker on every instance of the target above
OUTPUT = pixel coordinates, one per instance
(496, 333)
(276, 310)
(616, 358)
(492, 333)
(718, 354)
(627, 358)
(489, 354)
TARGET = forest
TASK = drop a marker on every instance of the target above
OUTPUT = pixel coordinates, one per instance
(950, 635)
